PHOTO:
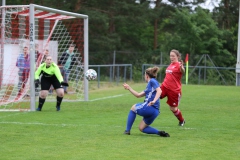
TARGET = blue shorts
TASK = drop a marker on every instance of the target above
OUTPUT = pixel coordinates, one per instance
(148, 113)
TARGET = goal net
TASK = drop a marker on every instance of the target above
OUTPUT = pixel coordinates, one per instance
(30, 32)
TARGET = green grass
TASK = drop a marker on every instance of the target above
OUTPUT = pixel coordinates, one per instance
(94, 130)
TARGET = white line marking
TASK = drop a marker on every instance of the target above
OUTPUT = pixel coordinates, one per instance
(107, 97)
(60, 125)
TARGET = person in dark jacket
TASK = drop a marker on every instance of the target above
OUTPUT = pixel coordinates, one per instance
(65, 63)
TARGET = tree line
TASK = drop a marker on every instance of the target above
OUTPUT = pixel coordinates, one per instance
(142, 34)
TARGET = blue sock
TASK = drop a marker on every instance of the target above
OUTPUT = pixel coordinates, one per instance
(150, 130)
(130, 120)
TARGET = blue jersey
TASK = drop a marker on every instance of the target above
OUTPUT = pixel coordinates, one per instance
(150, 92)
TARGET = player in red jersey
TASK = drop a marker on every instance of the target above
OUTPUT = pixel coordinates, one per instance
(171, 86)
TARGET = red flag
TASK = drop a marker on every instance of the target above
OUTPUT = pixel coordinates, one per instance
(186, 59)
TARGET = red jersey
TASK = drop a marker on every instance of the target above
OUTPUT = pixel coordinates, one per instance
(173, 77)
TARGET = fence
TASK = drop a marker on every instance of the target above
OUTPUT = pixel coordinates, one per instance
(206, 70)
(120, 69)
(115, 73)
(202, 74)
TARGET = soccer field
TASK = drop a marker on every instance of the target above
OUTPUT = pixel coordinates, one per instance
(94, 130)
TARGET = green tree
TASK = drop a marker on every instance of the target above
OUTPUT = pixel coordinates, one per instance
(226, 15)
(194, 33)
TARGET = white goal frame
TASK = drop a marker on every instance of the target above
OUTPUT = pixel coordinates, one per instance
(33, 8)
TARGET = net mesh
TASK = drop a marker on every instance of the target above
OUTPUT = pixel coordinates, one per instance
(54, 33)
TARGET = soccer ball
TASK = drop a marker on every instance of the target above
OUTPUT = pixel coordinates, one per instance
(91, 74)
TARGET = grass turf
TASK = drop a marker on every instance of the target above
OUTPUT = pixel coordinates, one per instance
(94, 130)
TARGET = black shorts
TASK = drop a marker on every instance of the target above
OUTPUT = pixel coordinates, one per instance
(46, 82)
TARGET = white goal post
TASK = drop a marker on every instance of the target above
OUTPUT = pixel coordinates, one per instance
(39, 28)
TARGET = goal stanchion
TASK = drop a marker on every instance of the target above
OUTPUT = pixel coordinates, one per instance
(27, 26)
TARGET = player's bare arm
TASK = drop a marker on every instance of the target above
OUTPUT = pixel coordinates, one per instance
(135, 93)
(182, 69)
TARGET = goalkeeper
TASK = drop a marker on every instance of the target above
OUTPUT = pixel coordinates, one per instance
(51, 75)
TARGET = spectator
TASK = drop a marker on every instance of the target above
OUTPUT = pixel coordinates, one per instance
(37, 55)
(23, 64)
(65, 63)
(46, 53)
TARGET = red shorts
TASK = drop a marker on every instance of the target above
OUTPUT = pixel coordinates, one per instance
(173, 98)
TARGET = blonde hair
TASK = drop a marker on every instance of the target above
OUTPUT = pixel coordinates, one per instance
(152, 72)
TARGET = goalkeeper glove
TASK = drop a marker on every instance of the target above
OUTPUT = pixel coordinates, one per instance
(37, 83)
(64, 84)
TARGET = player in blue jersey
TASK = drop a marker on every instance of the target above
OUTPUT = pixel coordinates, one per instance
(149, 109)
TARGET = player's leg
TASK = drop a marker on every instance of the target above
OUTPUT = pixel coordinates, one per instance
(178, 114)
(173, 102)
(45, 85)
(149, 115)
(60, 92)
(130, 120)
